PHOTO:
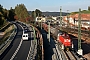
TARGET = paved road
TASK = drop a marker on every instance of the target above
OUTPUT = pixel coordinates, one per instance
(9, 52)
(22, 54)
(24, 49)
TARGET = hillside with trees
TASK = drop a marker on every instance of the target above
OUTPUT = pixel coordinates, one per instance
(3, 16)
(21, 13)
(83, 11)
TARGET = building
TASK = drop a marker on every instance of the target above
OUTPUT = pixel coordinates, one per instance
(73, 20)
(41, 19)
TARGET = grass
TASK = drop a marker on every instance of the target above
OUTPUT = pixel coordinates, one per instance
(83, 11)
(7, 32)
(4, 25)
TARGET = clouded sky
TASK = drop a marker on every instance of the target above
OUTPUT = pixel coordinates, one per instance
(48, 5)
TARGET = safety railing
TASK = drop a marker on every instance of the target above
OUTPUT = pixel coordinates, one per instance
(8, 41)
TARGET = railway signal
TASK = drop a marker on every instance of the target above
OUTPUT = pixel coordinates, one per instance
(80, 51)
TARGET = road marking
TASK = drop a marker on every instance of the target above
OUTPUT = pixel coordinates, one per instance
(28, 57)
(18, 47)
(16, 50)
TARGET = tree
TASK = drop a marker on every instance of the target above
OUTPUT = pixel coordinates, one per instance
(32, 14)
(89, 8)
(1, 8)
(2, 19)
(38, 12)
(21, 12)
(5, 11)
(11, 14)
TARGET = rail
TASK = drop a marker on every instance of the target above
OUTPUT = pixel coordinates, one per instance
(70, 55)
(63, 55)
(57, 55)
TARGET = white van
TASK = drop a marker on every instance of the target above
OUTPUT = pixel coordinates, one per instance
(25, 36)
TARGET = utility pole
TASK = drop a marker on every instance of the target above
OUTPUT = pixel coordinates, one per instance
(60, 18)
(80, 51)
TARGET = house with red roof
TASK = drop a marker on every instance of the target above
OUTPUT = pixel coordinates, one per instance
(73, 20)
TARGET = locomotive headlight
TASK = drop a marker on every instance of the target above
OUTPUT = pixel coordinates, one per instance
(65, 40)
(69, 40)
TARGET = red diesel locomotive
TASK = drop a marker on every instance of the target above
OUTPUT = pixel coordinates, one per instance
(62, 37)
(65, 41)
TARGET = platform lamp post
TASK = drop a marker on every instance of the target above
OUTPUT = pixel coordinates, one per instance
(80, 51)
(60, 18)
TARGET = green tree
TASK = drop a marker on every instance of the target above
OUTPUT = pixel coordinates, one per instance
(21, 12)
(2, 19)
(32, 14)
(89, 8)
(5, 13)
(38, 12)
(11, 14)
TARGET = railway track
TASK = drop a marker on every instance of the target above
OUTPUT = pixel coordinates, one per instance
(64, 55)
(69, 55)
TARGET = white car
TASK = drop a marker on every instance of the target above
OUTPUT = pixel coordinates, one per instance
(25, 36)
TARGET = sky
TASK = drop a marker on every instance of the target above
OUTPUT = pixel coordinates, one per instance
(48, 5)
